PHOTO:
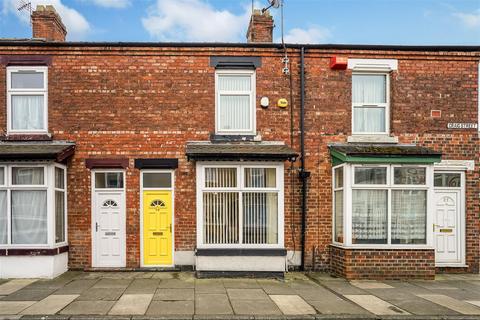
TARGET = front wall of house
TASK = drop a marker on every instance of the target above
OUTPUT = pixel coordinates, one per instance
(148, 102)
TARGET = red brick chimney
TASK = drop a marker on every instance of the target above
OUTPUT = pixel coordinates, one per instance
(261, 27)
(47, 24)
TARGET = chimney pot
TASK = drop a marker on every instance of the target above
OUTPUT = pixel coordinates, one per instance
(260, 29)
(47, 24)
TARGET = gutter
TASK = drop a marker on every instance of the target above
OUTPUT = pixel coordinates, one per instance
(303, 174)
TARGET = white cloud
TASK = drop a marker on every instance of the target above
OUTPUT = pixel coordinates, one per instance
(195, 20)
(77, 25)
(470, 20)
(313, 34)
(118, 4)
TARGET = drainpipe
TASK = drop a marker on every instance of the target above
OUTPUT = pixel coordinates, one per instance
(303, 174)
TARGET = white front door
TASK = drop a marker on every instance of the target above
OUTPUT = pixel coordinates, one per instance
(108, 223)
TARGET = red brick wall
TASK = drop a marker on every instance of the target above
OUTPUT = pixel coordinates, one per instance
(148, 102)
(382, 264)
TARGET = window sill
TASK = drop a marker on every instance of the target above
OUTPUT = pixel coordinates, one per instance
(33, 251)
(383, 247)
(235, 137)
(451, 265)
(241, 252)
(380, 138)
(27, 137)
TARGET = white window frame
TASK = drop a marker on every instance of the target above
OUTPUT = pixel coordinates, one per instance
(49, 187)
(252, 93)
(386, 105)
(349, 186)
(240, 166)
(64, 190)
(343, 166)
(34, 92)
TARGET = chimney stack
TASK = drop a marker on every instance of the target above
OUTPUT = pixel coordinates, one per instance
(261, 26)
(47, 24)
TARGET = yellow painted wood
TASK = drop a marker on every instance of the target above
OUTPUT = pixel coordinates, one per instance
(157, 228)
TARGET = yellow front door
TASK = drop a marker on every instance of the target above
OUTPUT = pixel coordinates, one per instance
(157, 228)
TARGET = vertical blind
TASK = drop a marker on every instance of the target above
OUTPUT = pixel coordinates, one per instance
(234, 102)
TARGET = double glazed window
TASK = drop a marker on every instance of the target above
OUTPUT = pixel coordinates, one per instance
(27, 99)
(25, 213)
(387, 205)
(241, 205)
(235, 102)
(370, 103)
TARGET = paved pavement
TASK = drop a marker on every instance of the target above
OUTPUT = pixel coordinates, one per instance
(179, 295)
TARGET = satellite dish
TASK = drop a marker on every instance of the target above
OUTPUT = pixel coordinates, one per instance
(275, 3)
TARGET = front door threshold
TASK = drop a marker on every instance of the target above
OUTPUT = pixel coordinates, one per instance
(451, 265)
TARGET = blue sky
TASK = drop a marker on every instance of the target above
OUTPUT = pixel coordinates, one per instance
(426, 22)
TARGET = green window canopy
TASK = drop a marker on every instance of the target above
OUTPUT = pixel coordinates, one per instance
(383, 153)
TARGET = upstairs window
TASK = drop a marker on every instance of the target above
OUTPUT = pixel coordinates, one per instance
(370, 103)
(27, 99)
(235, 102)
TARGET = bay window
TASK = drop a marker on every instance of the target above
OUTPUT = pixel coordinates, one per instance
(26, 210)
(240, 205)
(27, 99)
(385, 205)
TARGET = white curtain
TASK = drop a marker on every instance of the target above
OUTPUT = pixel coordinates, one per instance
(369, 119)
(369, 89)
(59, 216)
(409, 214)
(3, 217)
(27, 112)
(369, 216)
(339, 216)
(27, 176)
(29, 217)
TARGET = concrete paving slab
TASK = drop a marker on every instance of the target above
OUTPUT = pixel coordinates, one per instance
(343, 288)
(212, 304)
(88, 307)
(292, 304)
(50, 305)
(334, 305)
(27, 294)
(255, 307)
(113, 283)
(103, 294)
(247, 294)
(55, 283)
(14, 285)
(10, 317)
(451, 303)
(176, 284)
(241, 284)
(162, 275)
(271, 286)
(173, 294)
(370, 285)
(209, 286)
(422, 307)
(433, 285)
(316, 293)
(158, 308)
(76, 287)
(375, 305)
(130, 304)
(14, 307)
(142, 286)
(475, 303)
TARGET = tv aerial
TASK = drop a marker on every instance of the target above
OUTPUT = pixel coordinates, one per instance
(273, 4)
(25, 6)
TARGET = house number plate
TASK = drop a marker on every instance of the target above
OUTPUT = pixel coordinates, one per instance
(110, 233)
(446, 230)
(158, 233)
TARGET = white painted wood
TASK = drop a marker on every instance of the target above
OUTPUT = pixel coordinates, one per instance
(451, 165)
(240, 263)
(447, 227)
(385, 65)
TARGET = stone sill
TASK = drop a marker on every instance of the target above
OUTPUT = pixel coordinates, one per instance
(372, 139)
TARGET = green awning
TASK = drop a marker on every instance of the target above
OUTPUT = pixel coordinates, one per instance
(383, 153)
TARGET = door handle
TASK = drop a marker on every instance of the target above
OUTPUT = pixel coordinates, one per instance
(96, 226)
(170, 228)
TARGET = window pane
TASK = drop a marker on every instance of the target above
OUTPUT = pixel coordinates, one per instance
(339, 216)
(3, 217)
(339, 177)
(409, 216)
(369, 119)
(157, 180)
(234, 83)
(27, 80)
(59, 178)
(220, 217)
(260, 218)
(27, 113)
(409, 175)
(373, 175)
(27, 176)
(452, 180)
(234, 112)
(2, 175)
(29, 217)
(220, 177)
(369, 216)
(369, 89)
(59, 216)
(109, 180)
(260, 177)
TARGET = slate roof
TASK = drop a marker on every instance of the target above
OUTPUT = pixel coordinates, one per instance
(353, 149)
(36, 150)
(240, 151)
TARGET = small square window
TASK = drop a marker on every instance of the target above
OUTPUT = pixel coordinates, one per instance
(28, 79)
(448, 180)
(260, 178)
(2, 176)
(109, 180)
(409, 175)
(28, 176)
(59, 178)
(339, 177)
(157, 180)
(370, 175)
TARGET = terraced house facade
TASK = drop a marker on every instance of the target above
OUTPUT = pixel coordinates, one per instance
(237, 158)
